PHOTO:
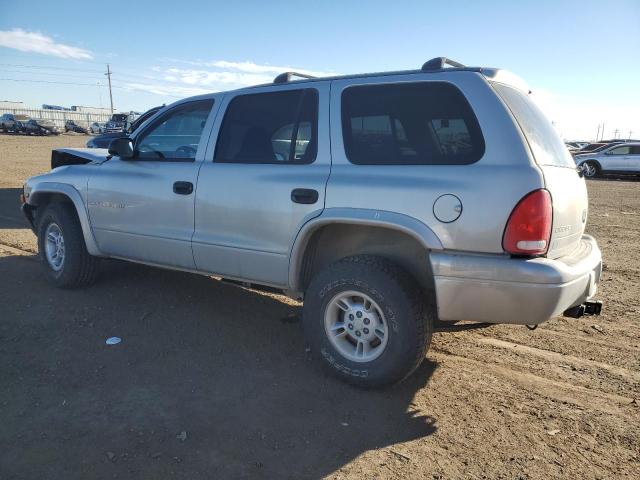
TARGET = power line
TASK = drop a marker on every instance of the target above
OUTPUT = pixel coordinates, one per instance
(50, 74)
(124, 87)
(47, 81)
(48, 67)
(41, 67)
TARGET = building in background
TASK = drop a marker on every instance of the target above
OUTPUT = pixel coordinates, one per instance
(7, 104)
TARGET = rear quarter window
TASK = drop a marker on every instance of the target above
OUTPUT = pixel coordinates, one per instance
(545, 143)
(421, 123)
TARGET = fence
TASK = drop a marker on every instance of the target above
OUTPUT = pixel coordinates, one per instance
(59, 117)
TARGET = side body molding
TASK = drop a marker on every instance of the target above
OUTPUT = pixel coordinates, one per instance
(73, 195)
(357, 216)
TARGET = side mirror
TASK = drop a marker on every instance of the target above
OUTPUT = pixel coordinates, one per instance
(122, 147)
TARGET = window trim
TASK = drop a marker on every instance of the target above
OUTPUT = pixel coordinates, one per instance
(140, 133)
(296, 124)
(342, 115)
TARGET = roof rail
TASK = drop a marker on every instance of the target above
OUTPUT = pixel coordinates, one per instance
(286, 77)
(439, 63)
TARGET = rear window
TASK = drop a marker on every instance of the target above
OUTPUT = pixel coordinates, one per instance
(544, 141)
(425, 123)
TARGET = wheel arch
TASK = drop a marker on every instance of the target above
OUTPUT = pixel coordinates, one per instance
(592, 160)
(339, 233)
(44, 193)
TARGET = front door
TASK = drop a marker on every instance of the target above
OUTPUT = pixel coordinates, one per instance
(142, 208)
(263, 178)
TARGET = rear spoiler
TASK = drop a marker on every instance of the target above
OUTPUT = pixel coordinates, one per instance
(506, 77)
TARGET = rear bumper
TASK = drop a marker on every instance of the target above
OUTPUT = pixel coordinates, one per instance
(500, 289)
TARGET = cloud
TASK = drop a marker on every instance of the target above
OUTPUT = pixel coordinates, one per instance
(215, 79)
(224, 74)
(166, 90)
(24, 41)
(251, 67)
(213, 76)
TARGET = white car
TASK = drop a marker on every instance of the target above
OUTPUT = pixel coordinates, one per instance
(97, 128)
(619, 158)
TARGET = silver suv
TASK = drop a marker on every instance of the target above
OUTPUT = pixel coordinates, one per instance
(387, 201)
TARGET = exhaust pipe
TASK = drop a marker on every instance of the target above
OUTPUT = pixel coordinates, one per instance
(590, 307)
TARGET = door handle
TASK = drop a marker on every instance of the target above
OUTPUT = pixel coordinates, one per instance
(305, 196)
(183, 188)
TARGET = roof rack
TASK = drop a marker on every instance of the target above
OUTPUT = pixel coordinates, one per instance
(439, 63)
(286, 77)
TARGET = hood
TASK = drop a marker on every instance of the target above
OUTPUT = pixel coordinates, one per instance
(78, 156)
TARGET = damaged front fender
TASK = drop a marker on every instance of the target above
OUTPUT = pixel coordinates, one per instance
(78, 156)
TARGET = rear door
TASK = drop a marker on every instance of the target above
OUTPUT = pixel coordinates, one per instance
(635, 158)
(568, 190)
(263, 178)
(618, 159)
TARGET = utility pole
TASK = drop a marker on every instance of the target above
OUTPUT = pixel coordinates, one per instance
(630, 132)
(108, 74)
(615, 133)
(602, 132)
(598, 134)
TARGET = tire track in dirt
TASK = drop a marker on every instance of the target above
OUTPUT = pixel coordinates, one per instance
(600, 343)
(561, 357)
(583, 397)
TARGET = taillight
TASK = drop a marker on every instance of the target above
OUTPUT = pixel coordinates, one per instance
(528, 229)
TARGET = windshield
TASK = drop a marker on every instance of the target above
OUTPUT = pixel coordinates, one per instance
(545, 143)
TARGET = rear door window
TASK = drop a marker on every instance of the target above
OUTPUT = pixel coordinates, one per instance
(422, 123)
(626, 150)
(273, 127)
(545, 143)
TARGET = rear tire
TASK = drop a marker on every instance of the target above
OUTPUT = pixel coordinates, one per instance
(62, 249)
(394, 331)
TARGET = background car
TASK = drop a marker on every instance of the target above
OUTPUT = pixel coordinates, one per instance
(620, 158)
(104, 140)
(13, 123)
(96, 128)
(71, 126)
(116, 123)
(41, 127)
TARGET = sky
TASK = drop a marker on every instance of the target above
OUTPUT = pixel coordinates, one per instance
(580, 58)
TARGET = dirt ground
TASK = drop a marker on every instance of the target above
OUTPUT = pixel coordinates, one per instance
(213, 381)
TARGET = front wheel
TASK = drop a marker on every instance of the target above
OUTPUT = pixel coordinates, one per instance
(368, 321)
(62, 248)
(591, 169)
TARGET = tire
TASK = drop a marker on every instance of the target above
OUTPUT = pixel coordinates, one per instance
(399, 302)
(75, 267)
(591, 169)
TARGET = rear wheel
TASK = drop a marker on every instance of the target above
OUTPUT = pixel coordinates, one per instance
(367, 321)
(62, 248)
(591, 169)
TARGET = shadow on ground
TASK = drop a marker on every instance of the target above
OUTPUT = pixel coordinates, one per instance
(221, 363)
(620, 178)
(10, 214)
